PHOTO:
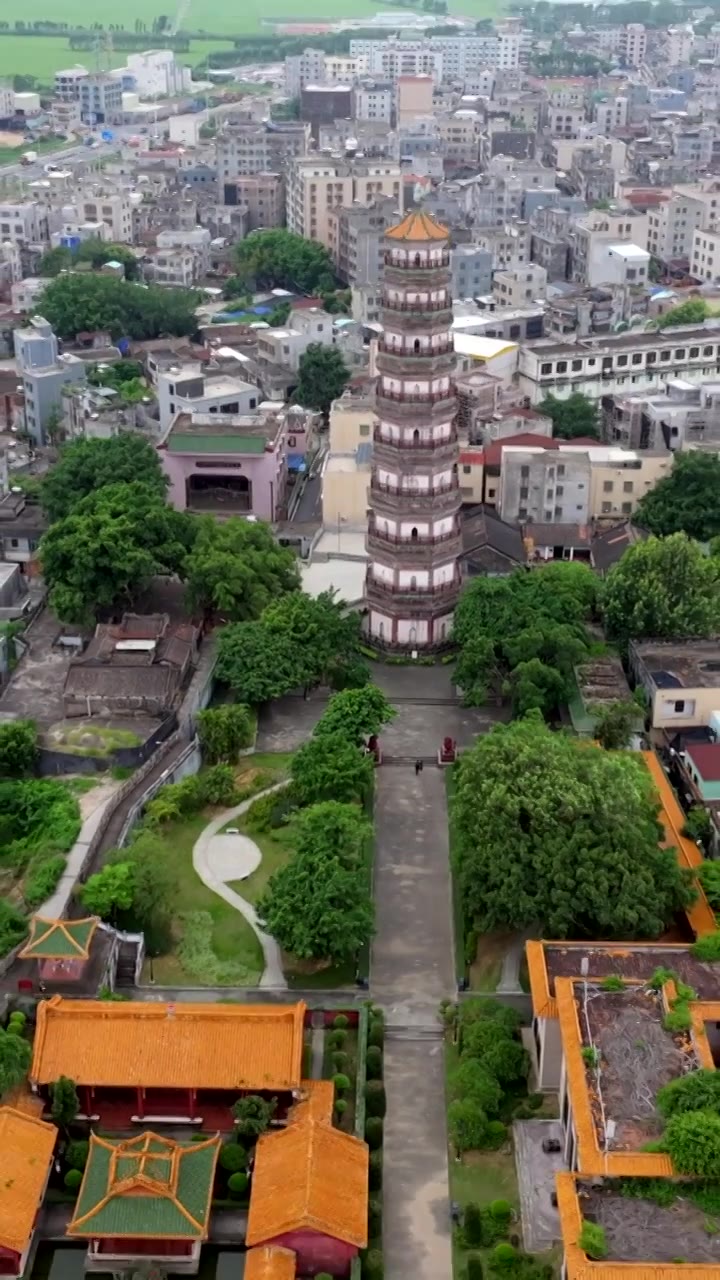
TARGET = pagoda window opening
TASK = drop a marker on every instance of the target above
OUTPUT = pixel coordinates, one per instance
(416, 346)
(418, 260)
(416, 434)
(413, 534)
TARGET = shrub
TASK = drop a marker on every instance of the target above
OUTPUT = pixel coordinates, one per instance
(503, 1257)
(237, 1184)
(678, 1019)
(470, 1080)
(376, 1170)
(500, 1210)
(374, 1218)
(472, 1225)
(233, 1157)
(372, 1266)
(341, 1022)
(72, 1179)
(473, 1269)
(19, 1017)
(592, 1240)
(374, 1132)
(535, 1101)
(467, 1124)
(76, 1154)
(492, 1231)
(374, 1062)
(340, 1059)
(376, 1034)
(590, 1055)
(268, 812)
(218, 784)
(41, 883)
(495, 1135)
(340, 1106)
(375, 1101)
(14, 1029)
(692, 1140)
(708, 947)
(696, 1091)
(613, 982)
(341, 1082)
(485, 1009)
(336, 1039)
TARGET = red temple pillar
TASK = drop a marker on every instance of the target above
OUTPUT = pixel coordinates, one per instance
(86, 1099)
(191, 1103)
(140, 1101)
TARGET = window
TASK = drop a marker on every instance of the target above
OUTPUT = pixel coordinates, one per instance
(364, 428)
(637, 357)
(546, 368)
(679, 706)
(627, 508)
(680, 355)
(627, 486)
(608, 486)
(466, 469)
(708, 351)
(524, 491)
(622, 361)
(664, 356)
(694, 352)
(524, 472)
(606, 508)
(576, 366)
(562, 366)
(651, 357)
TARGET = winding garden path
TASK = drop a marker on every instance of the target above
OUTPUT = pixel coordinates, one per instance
(219, 858)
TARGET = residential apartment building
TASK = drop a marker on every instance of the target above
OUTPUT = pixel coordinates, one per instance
(356, 239)
(616, 362)
(43, 373)
(113, 209)
(691, 696)
(509, 245)
(517, 286)
(260, 147)
(188, 389)
(392, 58)
(611, 115)
(681, 415)
(25, 223)
(286, 346)
(374, 100)
(262, 194)
(672, 226)
(575, 483)
(67, 83)
(705, 256)
(317, 185)
(101, 99)
(460, 134)
(322, 104)
(156, 73)
(413, 98)
(471, 271)
(632, 44)
(595, 239)
(302, 69)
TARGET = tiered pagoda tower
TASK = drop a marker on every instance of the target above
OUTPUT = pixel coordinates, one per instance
(413, 538)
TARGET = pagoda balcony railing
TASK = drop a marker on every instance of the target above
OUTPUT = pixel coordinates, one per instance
(406, 353)
(415, 308)
(406, 541)
(415, 397)
(437, 591)
(394, 259)
(422, 443)
(396, 491)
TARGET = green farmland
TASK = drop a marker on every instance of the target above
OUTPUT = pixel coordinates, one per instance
(41, 56)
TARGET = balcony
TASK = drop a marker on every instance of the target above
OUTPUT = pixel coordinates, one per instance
(415, 397)
(423, 547)
(421, 598)
(443, 500)
(394, 259)
(420, 448)
(416, 308)
(407, 353)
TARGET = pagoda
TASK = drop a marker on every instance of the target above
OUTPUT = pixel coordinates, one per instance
(413, 538)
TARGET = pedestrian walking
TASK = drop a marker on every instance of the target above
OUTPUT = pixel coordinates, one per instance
(418, 767)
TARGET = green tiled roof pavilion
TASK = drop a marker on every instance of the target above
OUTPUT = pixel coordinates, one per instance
(59, 939)
(146, 1186)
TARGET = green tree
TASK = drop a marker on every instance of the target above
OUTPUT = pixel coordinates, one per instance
(615, 724)
(467, 1124)
(110, 891)
(18, 748)
(253, 1115)
(692, 1140)
(323, 376)
(65, 1103)
(694, 311)
(333, 830)
(571, 417)
(357, 714)
(15, 1055)
(236, 568)
(78, 301)
(13, 927)
(317, 908)
(114, 542)
(471, 1080)
(282, 258)
(663, 588)
(686, 500)
(85, 466)
(535, 686)
(573, 851)
(93, 251)
(477, 670)
(224, 731)
(257, 665)
(329, 767)
(320, 630)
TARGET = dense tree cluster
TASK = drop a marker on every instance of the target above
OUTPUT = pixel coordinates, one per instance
(685, 501)
(523, 635)
(323, 377)
(694, 311)
(93, 252)
(574, 851)
(662, 587)
(572, 417)
(236, 569)
(492, 1063)
(75, 302)
(282, 259)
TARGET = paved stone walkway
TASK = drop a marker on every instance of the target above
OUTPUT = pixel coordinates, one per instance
(213, 870)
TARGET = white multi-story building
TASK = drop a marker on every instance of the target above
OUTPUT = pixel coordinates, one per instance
(678, 45)
(611, 115)
(519, 285)
(67, 83)
(374, 100)
(157, 74)
(113, 208)
(302, 69)
(25, 223)
(317, 184)
(632, 44)
(705, 256)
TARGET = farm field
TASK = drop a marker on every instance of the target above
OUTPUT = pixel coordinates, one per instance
(42, 55)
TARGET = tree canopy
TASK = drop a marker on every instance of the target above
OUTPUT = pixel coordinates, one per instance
(14, 1060)
(663, 588)
(75, 302)
(256, 664)
(18, 747)
(281, 258)
(330, 766)
(356, 713)
(575, 416)
(236, 568)
(694, 311)
(109, 548)
(95, 252)
(87, 465)
(323, 377)
(685, 501)
(574, 851)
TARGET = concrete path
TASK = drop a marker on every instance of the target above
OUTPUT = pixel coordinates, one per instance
(412, 970)
(212, 870)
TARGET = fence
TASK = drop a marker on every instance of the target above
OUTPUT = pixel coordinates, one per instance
(53, 761)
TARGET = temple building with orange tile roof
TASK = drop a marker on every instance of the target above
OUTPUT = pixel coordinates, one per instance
(138, 1062)
(27, 1145)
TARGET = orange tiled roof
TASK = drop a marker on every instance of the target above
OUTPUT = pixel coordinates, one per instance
(316, 1102)
(270, 1263)
(591, 1159)
(309, 1177)
(580, 1267)
(183, 1046)
(417, 226)
(700, 915)
(26, 1151)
